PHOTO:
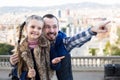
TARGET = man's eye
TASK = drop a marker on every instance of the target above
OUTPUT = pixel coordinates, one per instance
(54, 26)
(39, 28)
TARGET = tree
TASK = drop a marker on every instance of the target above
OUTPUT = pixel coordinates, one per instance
(5, 49)
(113, 49)
(93, 51)
(63, 29)
(107, 49)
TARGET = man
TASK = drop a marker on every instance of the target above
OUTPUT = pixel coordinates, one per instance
(62, 45)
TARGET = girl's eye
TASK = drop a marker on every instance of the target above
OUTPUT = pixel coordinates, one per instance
(32, 26)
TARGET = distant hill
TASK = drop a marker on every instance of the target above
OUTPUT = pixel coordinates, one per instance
(91, 5)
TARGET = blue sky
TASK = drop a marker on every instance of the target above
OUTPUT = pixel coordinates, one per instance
(44, 3)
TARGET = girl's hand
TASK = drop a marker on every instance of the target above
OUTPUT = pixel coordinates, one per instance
(57, 59)
(14, 59)
(31, 73)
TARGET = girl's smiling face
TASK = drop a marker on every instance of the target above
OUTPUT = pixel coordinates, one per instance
(34, 29)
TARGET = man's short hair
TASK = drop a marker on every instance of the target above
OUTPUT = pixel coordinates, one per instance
(50, 16)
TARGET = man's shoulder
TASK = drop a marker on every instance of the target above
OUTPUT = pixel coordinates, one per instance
(60, 33)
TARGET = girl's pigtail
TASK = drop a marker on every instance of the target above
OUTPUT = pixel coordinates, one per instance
(20, 33)
(18, 49)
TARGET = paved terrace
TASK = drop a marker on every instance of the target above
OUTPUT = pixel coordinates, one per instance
(84, 68)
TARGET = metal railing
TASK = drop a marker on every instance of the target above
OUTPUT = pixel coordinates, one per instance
(93, 63)
(88, 62)
(4, 62)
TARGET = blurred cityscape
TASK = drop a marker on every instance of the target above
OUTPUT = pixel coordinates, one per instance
(73, 18)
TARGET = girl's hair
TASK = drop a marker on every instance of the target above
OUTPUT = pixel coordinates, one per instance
(25, 23)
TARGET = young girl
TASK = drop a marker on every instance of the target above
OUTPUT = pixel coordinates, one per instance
(33, 51)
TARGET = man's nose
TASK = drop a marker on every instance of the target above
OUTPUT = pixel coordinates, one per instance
(51, 30)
